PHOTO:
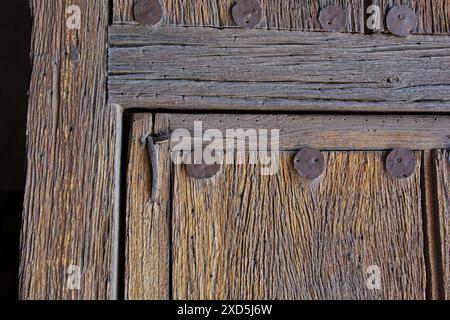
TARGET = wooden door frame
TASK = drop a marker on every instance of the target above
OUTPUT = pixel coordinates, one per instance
(71, 207)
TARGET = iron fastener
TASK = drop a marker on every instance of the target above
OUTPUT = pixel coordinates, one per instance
(401, 163)
(333, 18)
(309, 163)
(401, 21)
(196, 169)
(202, 171)
(247, 13)
(148, 12)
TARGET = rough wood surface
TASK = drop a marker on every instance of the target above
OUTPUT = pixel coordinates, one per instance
(147, 231)
(277, 14)
(443, 196)
(69, 197)
(331, 132)
(241, 235)
(198, 68)
(433, 16)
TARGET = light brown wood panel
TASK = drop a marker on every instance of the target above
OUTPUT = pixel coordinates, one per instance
(277, 14)
(443, 201)
(70, 198)
(201, 68)
(241, 235)
(147, 220)
(433, 16)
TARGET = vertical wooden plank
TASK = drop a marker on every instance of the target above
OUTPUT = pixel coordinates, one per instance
(241, 235)
(443, 197)
(68, 217)
(433, 16)
(277, 14)
(147, 233)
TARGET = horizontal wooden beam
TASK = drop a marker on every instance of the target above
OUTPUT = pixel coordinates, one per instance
(331, 132)
(210, 69)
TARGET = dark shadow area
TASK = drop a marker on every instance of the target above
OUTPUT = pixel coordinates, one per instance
(15, 31)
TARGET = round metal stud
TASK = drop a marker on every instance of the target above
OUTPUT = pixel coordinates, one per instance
(401, 20)
(247, 13)
(202, 171)
(401, 163)
(148, 12)
(309, 163)
(333, 18)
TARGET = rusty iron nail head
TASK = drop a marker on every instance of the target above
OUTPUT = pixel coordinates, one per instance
(199, 170)
(401, 20)
(333, 18)
(247, 13)
(148, 12)
(309, 163)
(202, 171)
(401, 163)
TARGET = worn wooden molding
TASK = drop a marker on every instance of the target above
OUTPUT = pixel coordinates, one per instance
(277, 14)
(69, 207)
(433, 16)
(329, 132)
(206, 69)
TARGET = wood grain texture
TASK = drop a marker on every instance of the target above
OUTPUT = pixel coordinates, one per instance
(433, 16)
(330, 132)
(241, 235)
(277, 14)
(443, 197)
(198, 68)
(147, 231)
(69, 199)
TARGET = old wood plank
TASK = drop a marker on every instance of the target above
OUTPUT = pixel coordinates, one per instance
(281, 237)
(69, 199)
(330, 132)
(443, 203)
(433, 16)
(147, 230)
(197, 68)
(277, 14)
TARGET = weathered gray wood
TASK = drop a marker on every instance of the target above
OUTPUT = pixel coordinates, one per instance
(177, 68)
(277, 14)
(70, 195)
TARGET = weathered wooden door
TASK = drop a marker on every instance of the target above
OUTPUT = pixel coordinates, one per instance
(109, 215)
(245, 235)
